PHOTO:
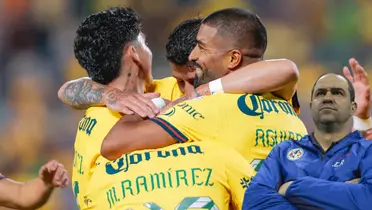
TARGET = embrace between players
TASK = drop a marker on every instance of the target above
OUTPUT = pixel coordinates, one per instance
(128, 153)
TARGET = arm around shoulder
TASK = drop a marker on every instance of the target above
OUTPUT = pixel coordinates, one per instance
(131, 133)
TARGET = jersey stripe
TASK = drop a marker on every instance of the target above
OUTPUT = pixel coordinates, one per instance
(173, 131)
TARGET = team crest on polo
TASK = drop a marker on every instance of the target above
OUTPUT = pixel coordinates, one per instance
(295, 154)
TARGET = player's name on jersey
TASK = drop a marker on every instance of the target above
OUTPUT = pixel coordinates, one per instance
(272, 137)
(87, 124)
(122, 164)
(172, 178)
(254, 105)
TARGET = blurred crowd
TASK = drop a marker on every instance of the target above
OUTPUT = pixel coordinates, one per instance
(36, 57)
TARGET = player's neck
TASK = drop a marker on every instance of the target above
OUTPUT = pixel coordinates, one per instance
(328, 134)
(130, 80)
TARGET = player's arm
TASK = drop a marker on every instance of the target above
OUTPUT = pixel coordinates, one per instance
(83, 93)
(338, 195)
(262, 192)
(132, 133)
(191, 120)
(282, 74)
(34, 193)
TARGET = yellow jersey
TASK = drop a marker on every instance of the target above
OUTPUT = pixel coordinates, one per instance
(198, 175)
(251, 124)
(168, 88)
(94, 127)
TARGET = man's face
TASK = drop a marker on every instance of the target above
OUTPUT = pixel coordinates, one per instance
(211, 55)
(331, 101)
(185, 76)
(145, 56)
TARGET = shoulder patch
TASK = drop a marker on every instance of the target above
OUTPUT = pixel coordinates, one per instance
(295, 154)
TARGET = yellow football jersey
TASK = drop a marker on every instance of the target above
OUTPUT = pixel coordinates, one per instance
(92, 129)
(198, 175)
(168, 88)
(251, 124)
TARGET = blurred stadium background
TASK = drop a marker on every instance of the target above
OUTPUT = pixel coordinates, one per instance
(36, 57)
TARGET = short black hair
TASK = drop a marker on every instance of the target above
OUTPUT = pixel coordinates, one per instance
(182, 41)
(242, 26)
(100, 40)
(350, 86)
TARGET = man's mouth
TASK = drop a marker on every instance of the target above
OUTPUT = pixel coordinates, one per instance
(328, 108)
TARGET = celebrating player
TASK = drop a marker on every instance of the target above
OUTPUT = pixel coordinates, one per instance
(124, 63)
(251, 124)
(127, 61)
(105, 67)
(199, 175)
(34, 193)
(329, 169)
(282, 73)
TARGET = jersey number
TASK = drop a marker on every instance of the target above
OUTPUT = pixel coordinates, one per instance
(189, 203)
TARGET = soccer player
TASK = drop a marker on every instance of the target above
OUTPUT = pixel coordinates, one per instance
(200, 175)
(329, 169)
(251, 124)
(282, 73)
(34, 193)
(110, 46)
(105, 68)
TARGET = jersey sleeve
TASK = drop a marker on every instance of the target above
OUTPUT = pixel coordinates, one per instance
(167, 87)
(191, 120)
(239, 173)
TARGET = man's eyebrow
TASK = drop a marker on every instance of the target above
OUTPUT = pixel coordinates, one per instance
(200, 42)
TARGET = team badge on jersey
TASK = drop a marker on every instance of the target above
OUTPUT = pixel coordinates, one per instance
(295, 154)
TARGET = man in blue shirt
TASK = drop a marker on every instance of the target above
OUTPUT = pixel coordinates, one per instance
(329, 169)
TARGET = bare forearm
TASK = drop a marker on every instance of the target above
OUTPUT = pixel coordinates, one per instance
(39, 196)
(82, 93)
(130, 134)
(29, 195)
(278, 76)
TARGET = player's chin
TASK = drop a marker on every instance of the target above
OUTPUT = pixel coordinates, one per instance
(328, 118)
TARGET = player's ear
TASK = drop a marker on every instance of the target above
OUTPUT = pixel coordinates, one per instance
(354, 107)
(235, 58)
(133, 53)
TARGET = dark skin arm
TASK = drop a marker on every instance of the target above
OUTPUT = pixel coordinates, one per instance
(132, 133)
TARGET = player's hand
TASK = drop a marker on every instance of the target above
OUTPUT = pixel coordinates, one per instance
(353, 181)
(202, 90)
(130, 103)
(360, 81)
(54, 174)
(283, 189)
